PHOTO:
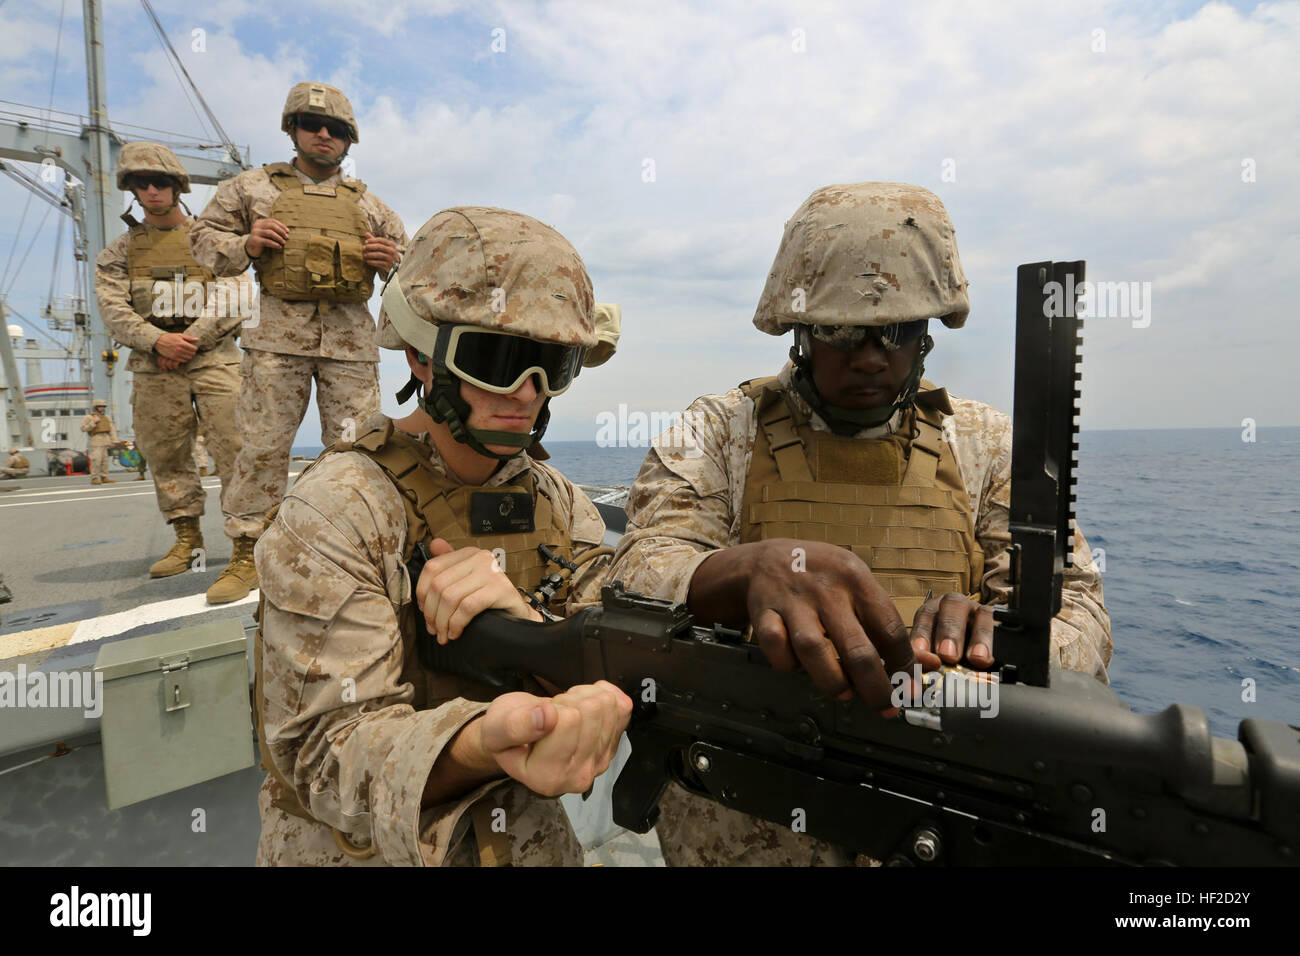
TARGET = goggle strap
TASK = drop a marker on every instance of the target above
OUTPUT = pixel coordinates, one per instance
(410, 327)
(404, 393)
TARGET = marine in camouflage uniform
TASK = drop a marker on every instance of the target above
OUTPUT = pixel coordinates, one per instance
(316, 240)
(16, 465)
(184, 358)
(103, 435)
(371, 754)
(916, 483)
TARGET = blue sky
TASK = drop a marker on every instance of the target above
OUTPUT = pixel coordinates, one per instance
(1044, 137)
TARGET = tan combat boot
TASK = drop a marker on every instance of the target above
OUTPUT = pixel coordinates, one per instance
(107, 481)
(240, 575)
(179, 558)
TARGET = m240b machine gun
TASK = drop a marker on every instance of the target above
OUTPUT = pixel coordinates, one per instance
(1037, 766)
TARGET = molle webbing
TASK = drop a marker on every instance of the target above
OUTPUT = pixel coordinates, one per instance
(899, 504)
(160, 255)
(439, 507)
(324, 255)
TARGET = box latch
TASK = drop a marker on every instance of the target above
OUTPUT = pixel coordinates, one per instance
(176, 682)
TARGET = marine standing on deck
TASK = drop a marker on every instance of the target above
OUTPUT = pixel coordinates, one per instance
(16, 465)
(102, 436)
(823, 506)
(181, 327)
(375, 759)
(316, 241)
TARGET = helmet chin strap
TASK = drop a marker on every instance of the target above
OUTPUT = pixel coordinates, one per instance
(135, 201)
(322, 161)
(443, 403)
(849, 421)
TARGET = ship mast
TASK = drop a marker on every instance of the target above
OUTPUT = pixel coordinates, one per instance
(98, 177)
(90, 155)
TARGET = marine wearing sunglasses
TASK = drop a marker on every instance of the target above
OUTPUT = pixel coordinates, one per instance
(863, 374)
(310, 123)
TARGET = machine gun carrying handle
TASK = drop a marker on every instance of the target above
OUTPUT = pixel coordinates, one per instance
(1043, 446)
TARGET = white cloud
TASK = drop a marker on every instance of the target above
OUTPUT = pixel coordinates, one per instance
(1130, 158)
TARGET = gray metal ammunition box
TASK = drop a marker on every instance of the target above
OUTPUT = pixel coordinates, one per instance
(176, 710)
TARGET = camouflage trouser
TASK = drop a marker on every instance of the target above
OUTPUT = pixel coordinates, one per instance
(98, 456)
(168, 409)
(273, 399)
(537, 833)
(14, 472)
(694, 831)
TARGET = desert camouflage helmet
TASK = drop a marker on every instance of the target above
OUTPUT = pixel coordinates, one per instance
(322, 99)
(98, 403)
(150, 158)
(865, 254)
(497, 269)
(478, 266)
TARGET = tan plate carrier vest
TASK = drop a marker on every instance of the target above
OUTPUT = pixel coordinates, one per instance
(160, 255)
(324, 255)
(436, 507)
(101, 427)
(907, 515)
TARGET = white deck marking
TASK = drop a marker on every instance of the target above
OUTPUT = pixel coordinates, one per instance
(113, 624)
(97, 491)
(64, 501)
(73, 491)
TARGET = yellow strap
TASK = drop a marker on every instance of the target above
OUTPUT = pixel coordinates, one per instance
(923, 461)
(783, 439)
(493, 845)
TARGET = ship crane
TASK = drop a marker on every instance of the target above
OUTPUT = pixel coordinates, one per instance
(71, 315)
(86, 149)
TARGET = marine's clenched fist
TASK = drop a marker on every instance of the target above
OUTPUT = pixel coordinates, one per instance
(556, 745)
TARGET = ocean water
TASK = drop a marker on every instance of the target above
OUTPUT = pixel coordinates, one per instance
(1201, 538)
(1201, 533)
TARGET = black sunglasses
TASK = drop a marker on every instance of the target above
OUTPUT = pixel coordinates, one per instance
(312, 124)
(145, 180)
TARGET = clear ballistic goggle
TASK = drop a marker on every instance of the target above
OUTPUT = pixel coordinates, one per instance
(500, 362)
(850, 338)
